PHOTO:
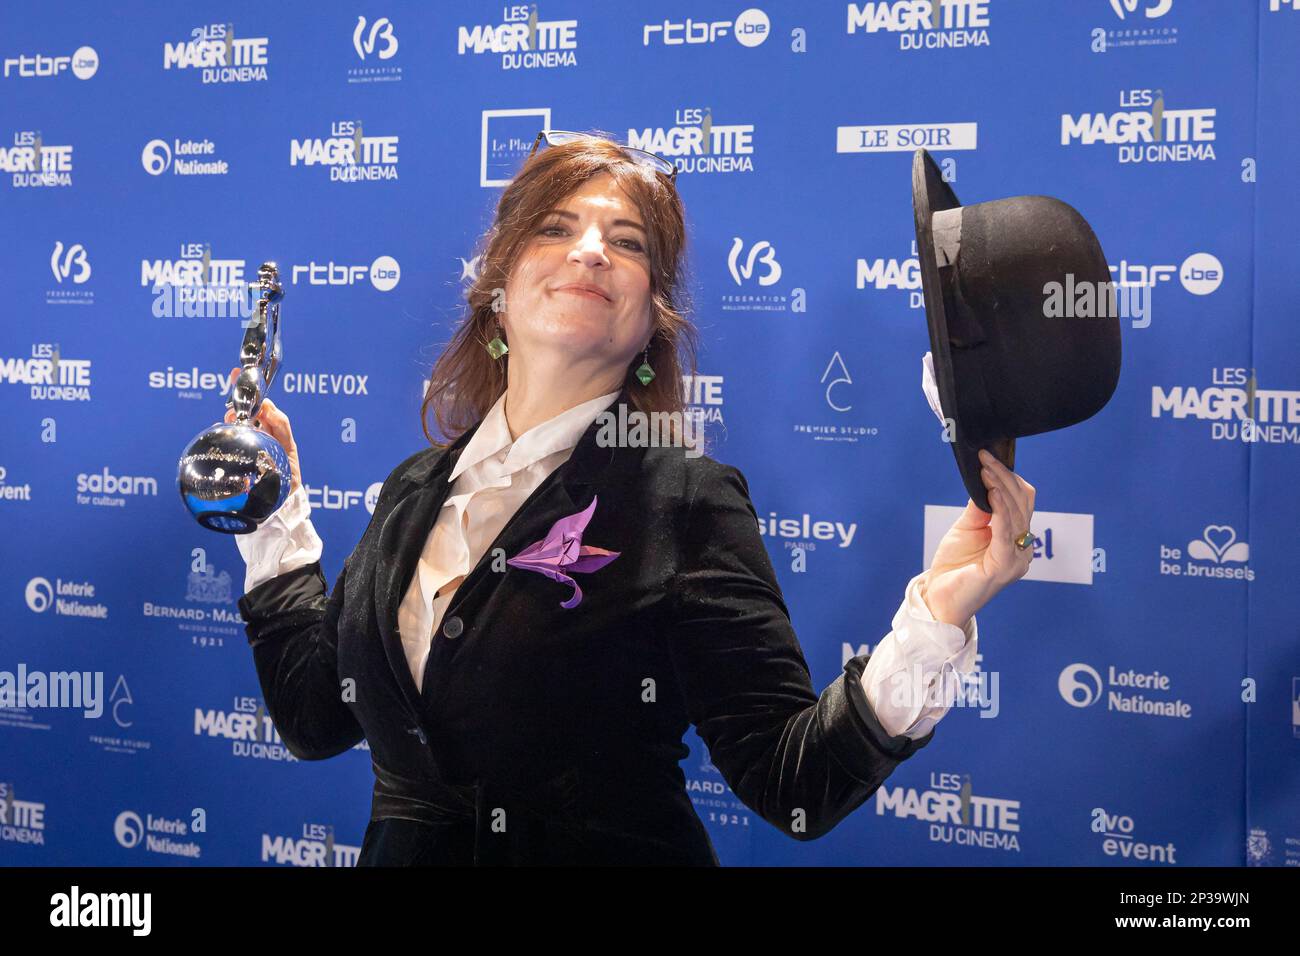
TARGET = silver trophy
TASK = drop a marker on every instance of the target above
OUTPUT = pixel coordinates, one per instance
(233, 476)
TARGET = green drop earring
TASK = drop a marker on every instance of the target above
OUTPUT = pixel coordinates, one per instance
(644, 373)
(497, 348)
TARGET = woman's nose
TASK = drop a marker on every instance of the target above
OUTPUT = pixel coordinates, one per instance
(589, 250)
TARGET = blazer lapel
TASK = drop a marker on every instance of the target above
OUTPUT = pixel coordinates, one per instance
(406, 529)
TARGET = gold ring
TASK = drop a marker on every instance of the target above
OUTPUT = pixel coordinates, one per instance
(1025, 541)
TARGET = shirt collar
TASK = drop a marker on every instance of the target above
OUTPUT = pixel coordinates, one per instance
(561, 432)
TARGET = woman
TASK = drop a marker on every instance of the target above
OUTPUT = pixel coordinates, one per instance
(535, 614)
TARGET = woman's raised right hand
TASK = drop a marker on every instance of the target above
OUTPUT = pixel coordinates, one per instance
(276, 424)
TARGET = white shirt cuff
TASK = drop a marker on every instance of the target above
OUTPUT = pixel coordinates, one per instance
(918, 666)
(284, 542)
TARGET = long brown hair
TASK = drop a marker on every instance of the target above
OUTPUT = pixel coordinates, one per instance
(466, 381)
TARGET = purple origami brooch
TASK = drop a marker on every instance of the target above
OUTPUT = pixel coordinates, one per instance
(562, 553)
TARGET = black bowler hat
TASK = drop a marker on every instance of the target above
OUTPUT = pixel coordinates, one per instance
(1003, 367)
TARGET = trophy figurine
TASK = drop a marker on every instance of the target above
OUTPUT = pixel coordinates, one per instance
(233, 476)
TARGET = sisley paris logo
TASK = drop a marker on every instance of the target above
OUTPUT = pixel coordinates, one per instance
(1215, 554)
(523, 39)
(936, 25)
(750, 28)
(82, 64)
(219, 55)
(350, 154)
(1080, 685)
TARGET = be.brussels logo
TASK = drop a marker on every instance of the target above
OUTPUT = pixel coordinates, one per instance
(750, 28)
(1148, 127)
(523, 39)
(350, 153)
(699, 142)
(942, 25)
(383, 274)
(83, 64)
(219, 55)
(33, 163)
(1217, 553)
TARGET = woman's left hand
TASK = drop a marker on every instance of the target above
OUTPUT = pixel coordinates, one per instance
(978, 556)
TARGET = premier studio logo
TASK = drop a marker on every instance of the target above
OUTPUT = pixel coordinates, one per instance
(33, 163)
(523, 40)
(698, 142)
(933, 25)
(1124, 691)
(219, 55)
(350, 153)
(1147, 128)
(1234, 406)
(83, 63)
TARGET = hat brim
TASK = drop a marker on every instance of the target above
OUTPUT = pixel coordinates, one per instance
(930, 194)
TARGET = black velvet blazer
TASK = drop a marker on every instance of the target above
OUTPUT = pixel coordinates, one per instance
(553, 735)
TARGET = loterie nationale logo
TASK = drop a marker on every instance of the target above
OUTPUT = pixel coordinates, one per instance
(349, 152)
(219, 55)
(64, 598)
(182, 157)
(32, 162)
(83, 63)
(1234, 407)
(1148, 127)
(698, 143)
(925, 25)
(1124, 691)
(523, 40)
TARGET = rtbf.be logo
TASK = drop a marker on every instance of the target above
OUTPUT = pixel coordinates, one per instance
(83, 64)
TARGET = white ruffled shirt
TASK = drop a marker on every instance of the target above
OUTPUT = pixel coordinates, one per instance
(495, 475)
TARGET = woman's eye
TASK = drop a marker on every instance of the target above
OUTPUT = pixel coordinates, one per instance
(632, 244)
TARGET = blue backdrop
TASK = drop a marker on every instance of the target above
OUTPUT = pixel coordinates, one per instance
(1141, 688)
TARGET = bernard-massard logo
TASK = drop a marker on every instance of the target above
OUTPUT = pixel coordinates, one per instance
(523, 39)
(375, 46)
(1148, 127)
(32, 162)
(218, 54)
(937, 25)
(70, 266)
(351, 153)
(208, 615)
(699, 142)
(49, 375)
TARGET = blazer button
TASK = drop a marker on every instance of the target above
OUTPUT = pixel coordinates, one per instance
(452, 627)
